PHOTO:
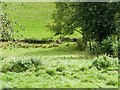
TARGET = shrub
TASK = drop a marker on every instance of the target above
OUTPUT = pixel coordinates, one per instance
(108, 46)
(96, 49)
(38, 41)
(21, 64)
(104, 61)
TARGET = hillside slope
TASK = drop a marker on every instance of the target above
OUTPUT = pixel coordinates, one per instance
(33, 17)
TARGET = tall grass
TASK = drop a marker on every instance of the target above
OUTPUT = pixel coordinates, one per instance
(57, 73)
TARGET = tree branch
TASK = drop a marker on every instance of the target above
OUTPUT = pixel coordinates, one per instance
(78, 31)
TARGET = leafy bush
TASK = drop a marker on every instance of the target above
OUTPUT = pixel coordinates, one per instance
(104, 61)
(96, 49)
(108, 46)
(21, 64)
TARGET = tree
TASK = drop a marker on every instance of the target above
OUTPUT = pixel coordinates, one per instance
(63, 20)
(95, 21)
(7, 24)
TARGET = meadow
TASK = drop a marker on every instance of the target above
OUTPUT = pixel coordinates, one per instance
(33, 18)
(56, 71)
(64, 66)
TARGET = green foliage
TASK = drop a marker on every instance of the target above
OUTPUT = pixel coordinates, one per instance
(96, 49)
(110, 45)
(7, 30)
(21, 64)
(6, 26)
(61, 23)
(95, 21)
(50, 72)
(81, 44)
(1, 57)
(84, 68)
(107, 46)
(58, 72)
(111, 82)
(60, 68)
(104, 62)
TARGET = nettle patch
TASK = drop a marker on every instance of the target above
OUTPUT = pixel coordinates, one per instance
(22, 64)
(104, 61)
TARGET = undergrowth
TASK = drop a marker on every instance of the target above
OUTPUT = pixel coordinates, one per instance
(40, 72)
(104, 62)
(21, 64)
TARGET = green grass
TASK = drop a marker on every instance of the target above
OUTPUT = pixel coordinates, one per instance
(61, 50)
(62, 67)
(61, 73)
(33, 17)
(58, 70)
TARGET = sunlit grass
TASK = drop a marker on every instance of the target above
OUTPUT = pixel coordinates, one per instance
(33, 17)
(61, 73)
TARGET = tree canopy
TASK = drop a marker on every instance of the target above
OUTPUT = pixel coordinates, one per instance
(95, 21)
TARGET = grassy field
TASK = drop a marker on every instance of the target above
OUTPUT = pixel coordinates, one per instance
(33, 17)
(56, 71)
(64, 66)
(62, 49)
(59, 67)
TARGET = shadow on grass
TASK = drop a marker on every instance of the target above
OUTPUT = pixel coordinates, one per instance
(63, 50)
